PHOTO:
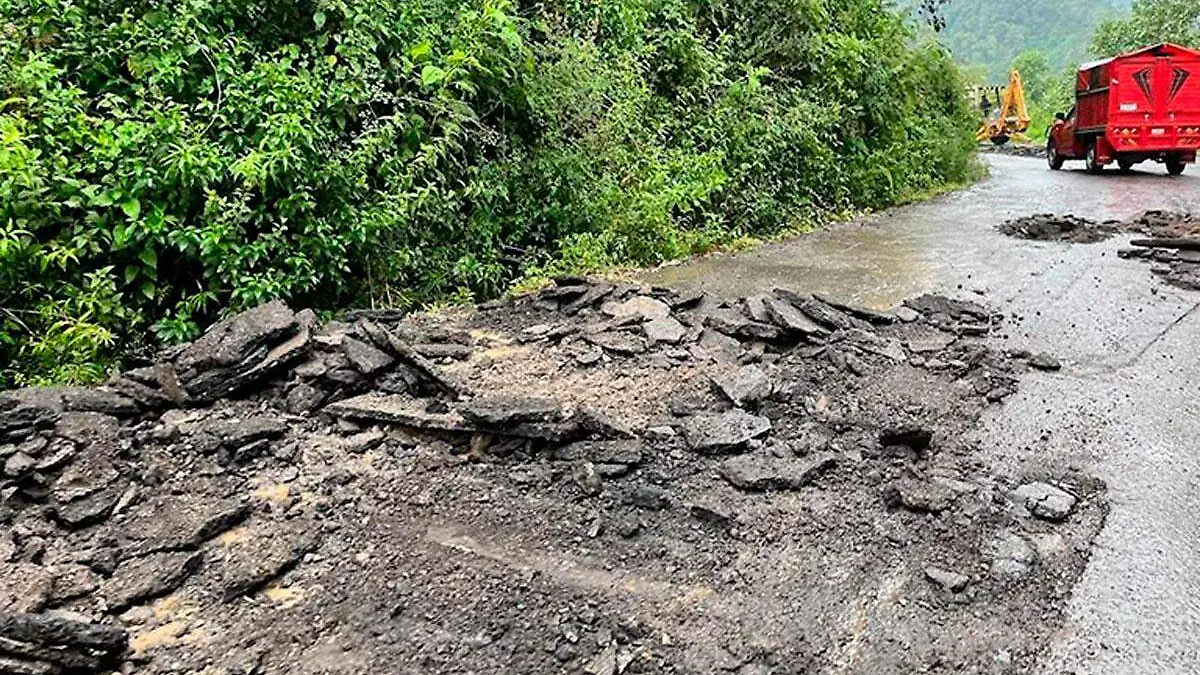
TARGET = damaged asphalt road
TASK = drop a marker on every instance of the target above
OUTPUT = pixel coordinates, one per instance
(930, 448)
(1123, 407)
(600, 477)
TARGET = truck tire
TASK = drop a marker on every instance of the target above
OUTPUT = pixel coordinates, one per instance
(1093, 166)
(1125, 164)
(1175, 165)
(999, 140)
(1055, 160)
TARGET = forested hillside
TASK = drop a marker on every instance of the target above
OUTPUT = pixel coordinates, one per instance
(162, 163)
(991, 34)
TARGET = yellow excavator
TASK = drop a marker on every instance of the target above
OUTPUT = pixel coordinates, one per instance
(1011, 119)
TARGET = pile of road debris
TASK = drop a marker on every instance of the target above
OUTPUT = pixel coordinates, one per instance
(600, 476)
(1015, 150)
(1173, 239)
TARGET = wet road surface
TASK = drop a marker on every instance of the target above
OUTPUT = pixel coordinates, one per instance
(1126, 407)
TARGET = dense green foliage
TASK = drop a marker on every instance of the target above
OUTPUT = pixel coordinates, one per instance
(992, 34)
(163, 162)
(1150, 22)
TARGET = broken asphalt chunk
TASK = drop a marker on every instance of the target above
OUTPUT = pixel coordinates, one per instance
(714, 433)
(1045, 501)
(746, 387)
(864, 313)
(788, 317)
(951, 581)
(138, 580)
(396, 409)
(1045, 362)
(503, 410)
(760, 472)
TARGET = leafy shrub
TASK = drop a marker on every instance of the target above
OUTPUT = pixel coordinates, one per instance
(161, 163)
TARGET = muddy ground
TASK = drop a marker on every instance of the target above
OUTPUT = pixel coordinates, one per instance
(1171, 243)
(601, 478)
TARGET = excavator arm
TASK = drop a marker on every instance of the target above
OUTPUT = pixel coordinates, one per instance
(1012, 118)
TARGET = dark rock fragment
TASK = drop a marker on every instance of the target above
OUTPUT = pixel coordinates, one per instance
(366, 359)
(644, 496)
(138, 580)
(1045, 362)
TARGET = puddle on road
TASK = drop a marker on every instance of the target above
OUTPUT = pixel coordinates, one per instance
(944, 245)
(865, 264)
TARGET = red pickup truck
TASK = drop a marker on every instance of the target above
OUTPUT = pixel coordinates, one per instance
(1140, 106)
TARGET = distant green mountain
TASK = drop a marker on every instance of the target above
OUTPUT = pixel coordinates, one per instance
(991, 34)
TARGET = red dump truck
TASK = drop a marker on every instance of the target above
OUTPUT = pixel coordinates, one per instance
(1140, 106)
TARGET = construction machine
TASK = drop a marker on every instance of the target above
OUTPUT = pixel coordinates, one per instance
(1011, 119)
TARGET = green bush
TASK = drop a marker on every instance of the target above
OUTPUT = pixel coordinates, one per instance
(162, 163)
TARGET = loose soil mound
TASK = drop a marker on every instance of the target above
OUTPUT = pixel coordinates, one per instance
(1049, 227)
(598, 478)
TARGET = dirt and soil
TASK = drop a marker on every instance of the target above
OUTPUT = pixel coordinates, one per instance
(1173, 244)
(601, 477)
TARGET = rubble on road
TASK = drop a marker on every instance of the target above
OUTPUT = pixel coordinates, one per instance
(1015, 150)
(1174, 248)
(1049, 227)
(597, 477)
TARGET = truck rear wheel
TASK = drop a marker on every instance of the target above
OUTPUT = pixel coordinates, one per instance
(1091, 161)
(1175, 165)
(1125, 164)
(1055, 160)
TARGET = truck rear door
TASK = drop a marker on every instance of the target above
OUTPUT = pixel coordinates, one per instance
(1157, 104)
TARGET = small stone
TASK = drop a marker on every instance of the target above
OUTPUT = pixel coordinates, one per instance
(1045, 362)
(660, 434)
(584, 474)
(19, 465)
(1012, 556)
(717, 346)
(364, 441)
(731, 431)
(906, 314)
(89, 509)
(644, 496)
(1045, 501)
(304, 398)
(920, 496)
(589, 356)
(951, 581)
